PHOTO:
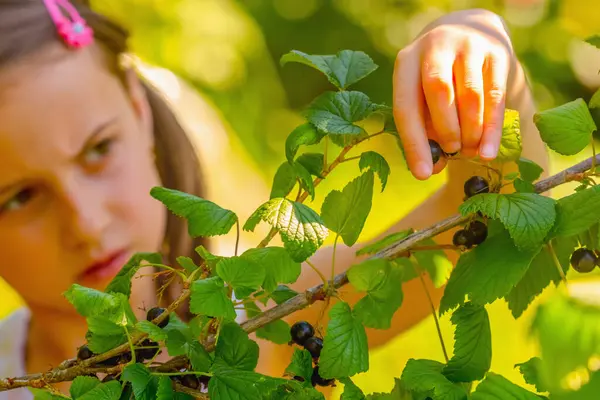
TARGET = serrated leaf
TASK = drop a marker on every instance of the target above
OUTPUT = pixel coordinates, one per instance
(305, 179)
(472, 344)
(566, 129)
(383, 284)
(398, 393)
(345, 350)
(302, 230)
(539, 274)
(282, 294)
(594, 40)
(277, 332)
(301, 365)
(377, 164)
(145, 385)
(351, 391)
(313, 162)
(198, 356)
(235, 384)
(425, 377)
(568, 334)
(527, 216)
(345, 212)
(530, 171)
(205, 218)
(187, 263)
(283, 181)
(234, 348)
(496, 386)
(277, 263)
(154, 332)
(343, 69)
(165, 389)
(240, 272)
(90, 302)
(510, 143)
(487, 272)
(209, 297)
(82, 384)
(577, 212)
(435, 262)
(336, 112)
(104, 391)
(384, 242)
(306, 134)
(522, 186)
(104, 334)
(595, 100)
(42, 394)
(210, 259)
(530, 371)
(121, 283)
(345, 140)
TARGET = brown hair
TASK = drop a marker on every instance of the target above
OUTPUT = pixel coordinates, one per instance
(26, 27)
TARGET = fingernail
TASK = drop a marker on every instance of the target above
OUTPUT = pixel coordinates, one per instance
(453, 147)
(423, 170)
(488, 150)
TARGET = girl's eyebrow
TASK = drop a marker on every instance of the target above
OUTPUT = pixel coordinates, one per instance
(88, 142)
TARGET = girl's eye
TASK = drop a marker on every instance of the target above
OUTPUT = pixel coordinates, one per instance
(97, 153)
(18, 200)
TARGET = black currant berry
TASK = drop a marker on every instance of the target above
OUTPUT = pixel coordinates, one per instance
(190, 381)
(154, 313)
(318, 380)
(314, 345)
(463, 238)
(146, 354)
(436, 151)
(583, 260)
(476, 185)
(479, 231)
(301, 331)
(84, 353)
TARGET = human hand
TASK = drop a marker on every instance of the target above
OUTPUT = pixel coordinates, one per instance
(450, 86)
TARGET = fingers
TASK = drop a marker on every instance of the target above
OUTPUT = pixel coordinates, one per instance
(434, 135)
(408, 105)
(438, 87)
(495, 73)
(468, 74)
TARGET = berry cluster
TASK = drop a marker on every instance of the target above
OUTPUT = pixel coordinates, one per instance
(474, 234)
(437, 152)
(303, 334)
(584, 260)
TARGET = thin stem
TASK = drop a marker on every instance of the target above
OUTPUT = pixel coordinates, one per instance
(594, 155)
(181, 274)
(556, 262)
(250, 300)
(130, 344)
(237, 237)
(333, 257)
(350, 158)
(325, 153)
(325, 283)
(299, 191)
(435, 318)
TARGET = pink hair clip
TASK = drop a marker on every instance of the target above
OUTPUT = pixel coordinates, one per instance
(75, 32)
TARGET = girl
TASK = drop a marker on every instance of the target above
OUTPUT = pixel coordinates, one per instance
(83, 140)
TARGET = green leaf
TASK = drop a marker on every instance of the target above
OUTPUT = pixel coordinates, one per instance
(377, 164)
(343, 69)
(496, 386)
(336, 112)
(351, 391)
(487, 272)
(568, 334)
(42, 394)
(398, 393)
(594, 40)
(306, 134)
(530, 371)
(198, 356)
(301, 365)
(510, 144)
(277, 263)
(210, 259)
(345, 212)
(302, 230)
(540, 273)
(282, 294)
(145, 385)
(234, 384)
(595, 100)
(277, 332)
(384, 242)
(156, 333)
(90, 302)
(522, 186)
(235, 349)
(121, 283)
(313, 162)
(425, 377)
(241, 272)
(577, 212)
(104, 334)
(209, 297)
(529, 170)
(305, 179)
(566, 129)
(283, 181)
(204, 217)
(472, 344)
(383, 284)
(187, 263)
(345, 350)
(82, 384)
(435, 262)
(165, 389)
(589, 391)
(527, 216)
(104, 391)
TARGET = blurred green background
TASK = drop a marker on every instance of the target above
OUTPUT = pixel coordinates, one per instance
(228, 52)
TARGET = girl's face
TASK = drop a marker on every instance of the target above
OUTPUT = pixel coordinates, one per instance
(76, 169)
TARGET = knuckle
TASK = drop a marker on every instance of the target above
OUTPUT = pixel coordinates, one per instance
(495, 96)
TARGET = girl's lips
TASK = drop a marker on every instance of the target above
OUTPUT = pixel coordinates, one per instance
(105, 268)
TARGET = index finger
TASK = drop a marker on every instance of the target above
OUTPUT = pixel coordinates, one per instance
(408, 105)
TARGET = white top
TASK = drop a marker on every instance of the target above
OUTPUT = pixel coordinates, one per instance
(13, 339)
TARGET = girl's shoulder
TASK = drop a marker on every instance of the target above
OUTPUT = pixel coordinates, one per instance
(13, 339)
